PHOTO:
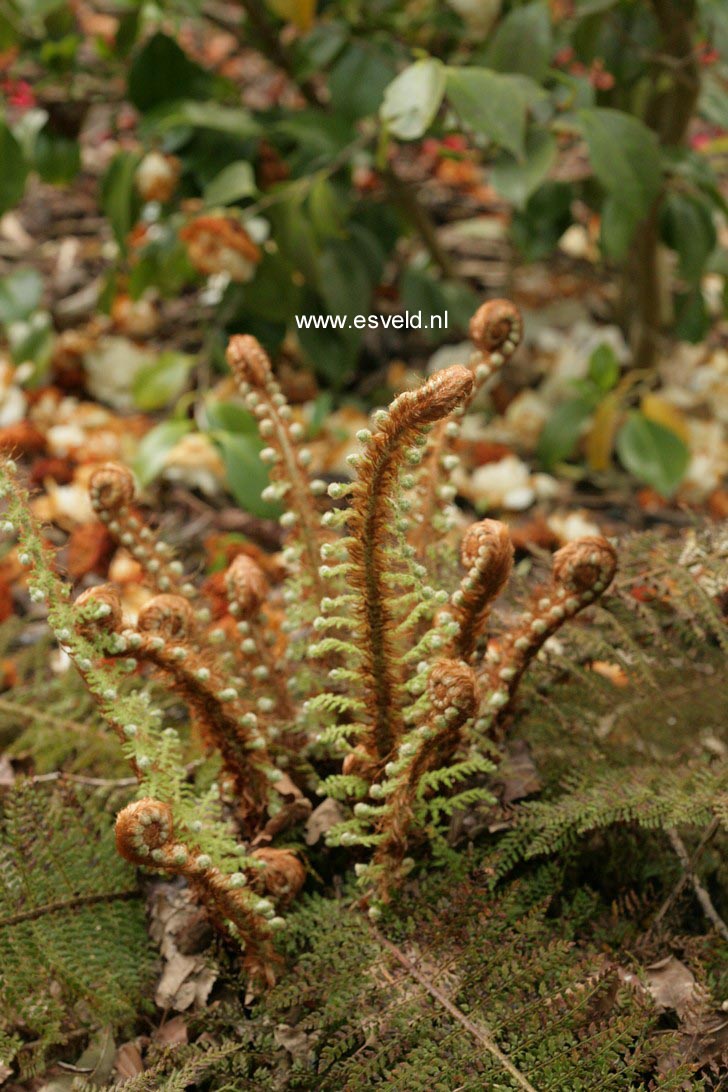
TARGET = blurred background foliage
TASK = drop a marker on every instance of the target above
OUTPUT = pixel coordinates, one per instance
(268, 159)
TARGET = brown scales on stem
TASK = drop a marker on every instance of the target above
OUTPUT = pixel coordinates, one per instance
(145, 835)
(369, 526)
(164, 637)
(252, 370)
(496, 329)
(453, 693)
(581, 572)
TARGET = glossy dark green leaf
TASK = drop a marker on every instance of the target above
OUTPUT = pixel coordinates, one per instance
(230, 417)
(493, 105)
(234, 182)
(688, 228)
(119, 198)
(247, 476)
(232, 120)
(625, 157)
(604, 367)
(522, 41)
(359, 77)
(517, 180)
(57, 159)
(161, 72)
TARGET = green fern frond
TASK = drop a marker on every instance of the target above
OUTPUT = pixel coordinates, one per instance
(74, 951)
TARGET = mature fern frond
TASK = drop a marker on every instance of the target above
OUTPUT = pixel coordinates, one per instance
(74, 951)
(50, 718)
(460, 990)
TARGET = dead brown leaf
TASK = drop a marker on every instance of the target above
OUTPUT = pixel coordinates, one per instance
(328, 813)
(186, 979)
(128, 1062)
(172, 1032)
(672, 985)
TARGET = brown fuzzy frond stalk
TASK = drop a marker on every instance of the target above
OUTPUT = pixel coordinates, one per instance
(487, 555)
(369, 519)
(165, 638)
(453, 692)
(247, 590)
(145, 836)
(112, 491)
(287, 460)
(496, 329)
(580, 573)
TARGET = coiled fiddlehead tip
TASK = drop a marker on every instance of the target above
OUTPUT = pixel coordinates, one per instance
(444, 391)
(486, 541)
(169, 616)
(248, 360)
(246, 584)
(98, 609)
(452, 685)
(111, 488)
(586, 565)
(283, 875)
(495, 323)
(142, 827)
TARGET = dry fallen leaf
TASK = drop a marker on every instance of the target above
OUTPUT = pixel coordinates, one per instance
(186, 979)
(613, 672)
(295, 1041)
(90, 549)
(128, 1062)
(172, 1032)
(518, 773)
(672, 985)
(328, 813)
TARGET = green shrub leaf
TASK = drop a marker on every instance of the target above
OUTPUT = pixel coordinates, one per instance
(413, 98)
(625, 158)
(515, 180)
(158, 383)
(20, 294)
(14, 169)
(231, 184)
(493, 105)
(156, 445)
(246, 474)
(562, 430)
(652, 453)
(160, 71)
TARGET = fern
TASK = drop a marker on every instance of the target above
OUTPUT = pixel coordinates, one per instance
(366, 677)
(453, 989)
(74, 952)
(50, 718)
